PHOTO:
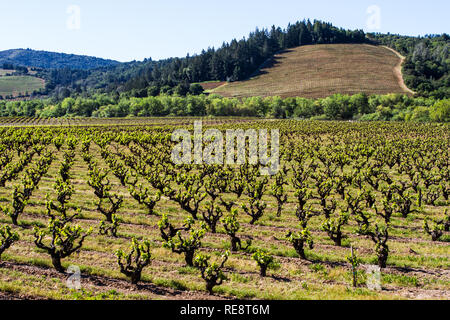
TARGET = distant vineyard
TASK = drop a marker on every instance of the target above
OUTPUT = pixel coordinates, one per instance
(135, 121)
(322, 70)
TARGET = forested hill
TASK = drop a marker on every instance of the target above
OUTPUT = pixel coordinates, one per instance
(427, 64)
(235, 60)
(52, 60)
(426, 68)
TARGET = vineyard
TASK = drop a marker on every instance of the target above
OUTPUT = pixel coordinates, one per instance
(104, 196)
(319, 71)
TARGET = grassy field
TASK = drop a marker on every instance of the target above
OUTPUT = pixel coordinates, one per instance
(319, 71)
(15, 85)
(417, 267)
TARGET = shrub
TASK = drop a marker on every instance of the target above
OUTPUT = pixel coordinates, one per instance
(434, 228)
(265, 261)
(355, 261)
(371, 117)
(64, 240)
(211, 272)
(380, 236)
(142, 195)
(440, 112)
(299, 240)
(110, 228)
(419, 114)
(333, 227)
(182, 244)
(196, 89)
(211, 215)
(135, 261)
(7, 238)
(232, 226)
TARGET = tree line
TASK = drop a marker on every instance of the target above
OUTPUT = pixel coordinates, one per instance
(394, 107)
(233, 61)
(427, 63)
(425, 69)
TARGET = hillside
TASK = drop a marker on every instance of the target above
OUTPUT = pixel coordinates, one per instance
(52, 60)
(18, 85)
(318, 71)
(348, 63)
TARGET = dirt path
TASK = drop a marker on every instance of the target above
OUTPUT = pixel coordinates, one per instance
(398, 71)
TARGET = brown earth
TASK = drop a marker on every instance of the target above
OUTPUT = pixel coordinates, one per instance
(318, 71)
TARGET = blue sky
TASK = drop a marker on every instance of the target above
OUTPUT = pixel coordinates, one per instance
(138, 29)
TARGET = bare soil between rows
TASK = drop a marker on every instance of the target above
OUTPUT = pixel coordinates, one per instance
(105, 284)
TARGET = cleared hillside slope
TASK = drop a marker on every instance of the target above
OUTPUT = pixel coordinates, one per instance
(319, 71)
